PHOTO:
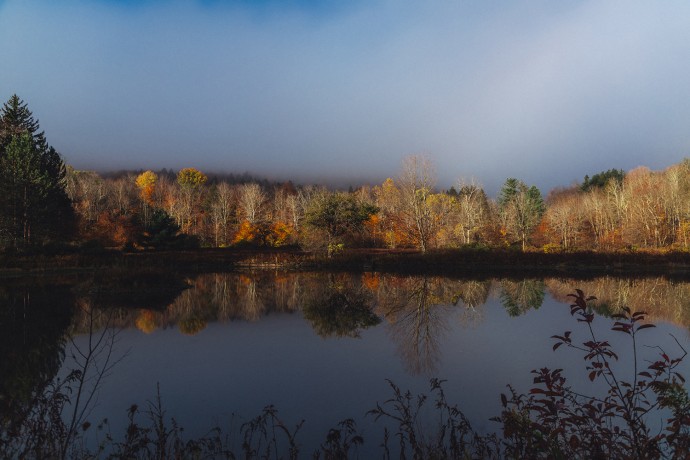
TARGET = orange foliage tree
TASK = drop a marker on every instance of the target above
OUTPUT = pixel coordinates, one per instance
(246, 234)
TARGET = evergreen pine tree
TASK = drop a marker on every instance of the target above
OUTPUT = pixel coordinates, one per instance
(16, 119)
(34, 206)
(521, 208)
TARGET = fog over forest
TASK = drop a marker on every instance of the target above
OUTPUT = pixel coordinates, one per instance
(340, 92)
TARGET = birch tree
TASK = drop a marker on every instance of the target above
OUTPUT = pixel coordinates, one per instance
(222, 213)
(417, 181)
(473, 210)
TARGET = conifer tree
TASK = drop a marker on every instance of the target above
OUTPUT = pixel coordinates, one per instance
(34, 206)
(521, 208)
(16, 119)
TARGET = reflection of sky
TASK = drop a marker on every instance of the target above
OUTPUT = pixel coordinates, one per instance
(239, 367)
(546, 92)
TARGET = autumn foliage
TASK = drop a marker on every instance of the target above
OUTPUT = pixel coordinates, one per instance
(146, 182)
(640, 210)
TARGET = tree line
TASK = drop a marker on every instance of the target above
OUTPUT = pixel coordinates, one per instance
(42, 200)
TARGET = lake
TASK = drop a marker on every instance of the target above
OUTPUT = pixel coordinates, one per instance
(319, 347)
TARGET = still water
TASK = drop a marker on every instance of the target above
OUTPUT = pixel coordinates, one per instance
(321, 346)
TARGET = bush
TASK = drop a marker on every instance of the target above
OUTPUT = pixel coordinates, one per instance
(555, 420)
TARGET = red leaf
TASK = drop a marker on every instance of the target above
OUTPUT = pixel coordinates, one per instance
(592, 375)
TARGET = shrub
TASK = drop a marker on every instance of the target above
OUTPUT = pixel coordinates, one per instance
(555, 420)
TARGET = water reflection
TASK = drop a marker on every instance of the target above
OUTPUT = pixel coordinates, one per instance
(420, 314)
(150, 289)
(34, 319)
(341, 308)
(664, 300)
(521, 296)
(473, 295)
(416, 310)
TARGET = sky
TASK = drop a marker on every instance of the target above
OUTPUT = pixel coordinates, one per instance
(341, 91)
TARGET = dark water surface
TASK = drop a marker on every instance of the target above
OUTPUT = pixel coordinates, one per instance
(320, 346)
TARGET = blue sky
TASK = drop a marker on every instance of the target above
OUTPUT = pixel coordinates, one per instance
(314, 91)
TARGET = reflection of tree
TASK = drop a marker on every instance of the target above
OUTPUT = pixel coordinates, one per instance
(197, 301)
(250, 298)
(48, 423)
(149, 303)
(659, 297)
(472, 294)
(221, 295)
(340, 308)
(417, 312)
(146, 321)
(149, 289)
(33, 323)
(519, 297)
(192, 325)
(193, 311)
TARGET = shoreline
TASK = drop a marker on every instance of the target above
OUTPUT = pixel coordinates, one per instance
(465, 262)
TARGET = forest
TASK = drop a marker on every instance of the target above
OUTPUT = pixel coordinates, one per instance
(43, 201)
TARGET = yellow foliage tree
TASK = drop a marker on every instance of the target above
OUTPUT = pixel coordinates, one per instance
(280, 234)
(191, 177)
(146, 182)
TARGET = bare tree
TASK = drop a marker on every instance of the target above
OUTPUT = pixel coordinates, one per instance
(294, 211)
(122, 194)
(417, 181)
(645, 220)
(89, 193)
(222, 211)
(473, 210)
(251, 199)
(565, 215)
(678, 201)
